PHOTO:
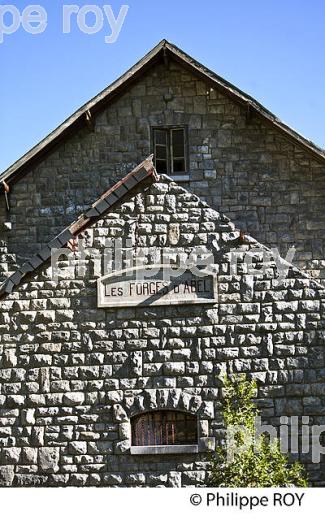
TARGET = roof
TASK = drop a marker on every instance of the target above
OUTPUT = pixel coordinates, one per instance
(106, 201)
(163, 51)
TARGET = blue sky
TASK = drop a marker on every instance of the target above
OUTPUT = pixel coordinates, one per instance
(272, 49)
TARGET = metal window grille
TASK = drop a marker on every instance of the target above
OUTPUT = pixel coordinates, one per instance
(164, 428)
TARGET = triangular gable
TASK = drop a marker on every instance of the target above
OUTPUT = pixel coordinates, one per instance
(163, 51)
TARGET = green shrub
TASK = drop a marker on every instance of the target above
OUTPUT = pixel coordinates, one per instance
(259, 464)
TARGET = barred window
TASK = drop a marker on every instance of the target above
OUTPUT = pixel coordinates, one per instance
(164, 428)
(169, 147)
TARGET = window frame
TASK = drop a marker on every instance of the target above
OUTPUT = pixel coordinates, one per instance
(161, 449)
(169, 159)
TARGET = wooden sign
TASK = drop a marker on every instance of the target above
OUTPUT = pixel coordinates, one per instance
(155, 285)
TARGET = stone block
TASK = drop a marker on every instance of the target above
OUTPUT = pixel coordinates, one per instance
(210, 174)
(193, 478)
(48, 459)
(73, 398)
(174, 368)
(135, 479)
(113, 479)
(28, 417)
(157, 480)
(78, 448)
(7, 475)
(29, 456)
(9, 358)
(119, 413)
(125, 431)
(175, 479)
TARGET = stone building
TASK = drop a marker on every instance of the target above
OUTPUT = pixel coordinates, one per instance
(107, 380)
(239, 158)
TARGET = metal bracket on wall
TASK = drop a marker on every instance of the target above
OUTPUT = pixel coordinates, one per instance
(6, 191)
(90, 121)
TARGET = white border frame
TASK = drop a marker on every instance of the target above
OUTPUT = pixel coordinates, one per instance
(101, 297)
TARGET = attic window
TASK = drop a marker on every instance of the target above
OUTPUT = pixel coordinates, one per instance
(164, 431)
(170, 150)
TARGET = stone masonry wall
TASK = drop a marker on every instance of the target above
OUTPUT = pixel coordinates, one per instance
(72, 375)
(269, 187)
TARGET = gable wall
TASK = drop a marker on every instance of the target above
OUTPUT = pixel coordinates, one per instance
(72, 375)
(269, 187)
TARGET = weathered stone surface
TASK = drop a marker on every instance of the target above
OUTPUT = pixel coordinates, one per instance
(135, 479)
(29, 456)
(28, 417)
(73, 398)
(48, 459)
(7, 475)
(193, 477)
(10, 455)
(119, 413)
(136, 363)
(78, 448)
(175, 479)
(10, 358)
(82, 374)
